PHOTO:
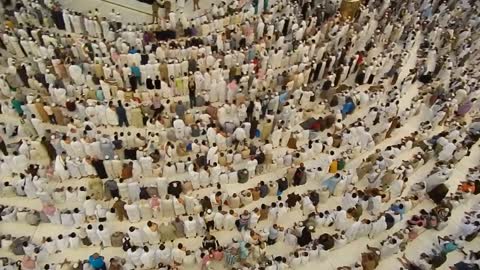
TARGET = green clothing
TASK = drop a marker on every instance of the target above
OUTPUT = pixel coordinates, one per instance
(17, 105)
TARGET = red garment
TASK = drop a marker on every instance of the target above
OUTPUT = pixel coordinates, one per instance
(360, 59)
(49, 210)
(28, 263)
(218, 255)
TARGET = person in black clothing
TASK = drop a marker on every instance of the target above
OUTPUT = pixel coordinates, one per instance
(210, 242)
(133, 82)
(253, 128)
(250, 108)
(158, 83)
(3, 146)
(191, 91)
(122, 115)
(149, 83)
(175, 188)
(299, 176)
(306, 236)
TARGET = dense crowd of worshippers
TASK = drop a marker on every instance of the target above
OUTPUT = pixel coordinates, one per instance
(151, 124)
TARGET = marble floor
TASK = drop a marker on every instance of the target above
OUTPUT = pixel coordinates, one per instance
(133, 10)
(343, 256)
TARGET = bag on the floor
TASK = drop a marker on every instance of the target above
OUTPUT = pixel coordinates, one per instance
(17, 245)
(259, 169)
(117, 239)
(200, 101)
(33, 218)
(242, 176)
(86, 242)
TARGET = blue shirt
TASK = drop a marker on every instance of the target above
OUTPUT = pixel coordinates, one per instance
(136, 71)
(96, 263)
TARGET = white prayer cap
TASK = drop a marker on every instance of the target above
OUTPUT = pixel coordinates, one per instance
(209, 211)
(107, 157)
(52, 137)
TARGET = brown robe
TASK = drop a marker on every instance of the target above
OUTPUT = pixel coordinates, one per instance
(120, 210)
(57, 112)
(42, 114)
(163, 71)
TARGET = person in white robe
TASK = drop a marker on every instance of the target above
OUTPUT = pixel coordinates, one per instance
(76, 74)
(60, 167)
(136, 236)
(379, 226)
(105, 236)
(190, 226)
(134, 191)
(163, 255)
(146, 162)
(134, 255)
(151, 236)
(447, 151)
(133, 212)
(178, 206)
(167, 207)
(148, 258)
(341, 223)
(178, 254)
(179, 127)
(73, 169)
(93, 235)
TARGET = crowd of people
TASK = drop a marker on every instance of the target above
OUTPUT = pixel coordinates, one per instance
(210, 142)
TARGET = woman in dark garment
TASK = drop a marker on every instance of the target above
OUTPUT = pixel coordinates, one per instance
(52, 153)
(250, 109)
(253, 128)
(306, 236)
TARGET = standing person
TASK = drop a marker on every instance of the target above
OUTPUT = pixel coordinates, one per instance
(180, 5)
(122, 115)
(155, 7)
(3, 147)
(192, 85)
(97, 262)
(196, 6)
